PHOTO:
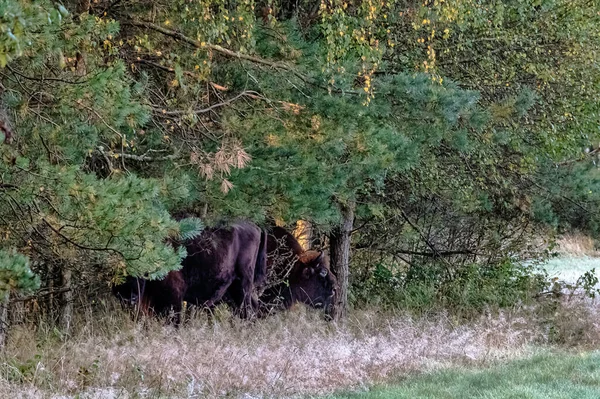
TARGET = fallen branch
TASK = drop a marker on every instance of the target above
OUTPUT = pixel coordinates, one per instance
(585, 156)
(438, 253)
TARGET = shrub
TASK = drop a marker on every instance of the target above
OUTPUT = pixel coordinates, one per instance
(468, 289)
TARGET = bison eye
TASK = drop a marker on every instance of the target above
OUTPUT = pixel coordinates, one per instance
(323, 272)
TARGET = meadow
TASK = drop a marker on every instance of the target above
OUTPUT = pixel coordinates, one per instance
(295, 354)
(544, 376)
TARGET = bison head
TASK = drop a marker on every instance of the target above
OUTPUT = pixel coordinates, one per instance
(129, 291)
(313, 283)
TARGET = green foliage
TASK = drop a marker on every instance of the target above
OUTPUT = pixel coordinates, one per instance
(120, 220)
(468, 291)
(24, 24)
(328, 151)
(189, 228)
(588, 282)
(443, 121)
(76, 110)
(569, 197)
(15, 274)
(504, 285)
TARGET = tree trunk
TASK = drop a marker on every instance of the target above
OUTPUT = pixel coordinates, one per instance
(339, 242)
(66, 313)
(4, 319)
(17, 312)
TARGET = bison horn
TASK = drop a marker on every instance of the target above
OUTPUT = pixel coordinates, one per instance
(319, 258)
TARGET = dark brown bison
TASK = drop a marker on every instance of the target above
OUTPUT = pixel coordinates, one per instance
(228, 260)
(232, 264)
(296, 275)
(159, 297)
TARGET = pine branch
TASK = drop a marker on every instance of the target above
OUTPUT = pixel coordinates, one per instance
(140, 158)
(233, 54)
(215, 47)
(246, 93)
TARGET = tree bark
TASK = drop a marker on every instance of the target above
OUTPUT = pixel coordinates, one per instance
(4, 319)
(66, 314)
(339, 242)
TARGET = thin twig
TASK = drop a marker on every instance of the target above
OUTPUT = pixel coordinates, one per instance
(429, 244)
(70, 241)
(247, 93)
(46, 79)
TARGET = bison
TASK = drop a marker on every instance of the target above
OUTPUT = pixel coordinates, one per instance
(238, 264)
(224, 260)
(296, 275)
(159, 297)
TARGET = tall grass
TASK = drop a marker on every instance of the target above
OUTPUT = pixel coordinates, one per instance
(577, 245)
(286, 355)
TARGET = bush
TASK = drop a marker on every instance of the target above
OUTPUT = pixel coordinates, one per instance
(468, 289)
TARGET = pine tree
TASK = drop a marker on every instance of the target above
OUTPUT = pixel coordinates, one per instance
(117, 113)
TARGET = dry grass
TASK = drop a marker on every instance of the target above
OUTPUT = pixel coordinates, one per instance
(290, 354)
(577, 245)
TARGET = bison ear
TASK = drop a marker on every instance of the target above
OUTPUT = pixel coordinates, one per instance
(308, 272)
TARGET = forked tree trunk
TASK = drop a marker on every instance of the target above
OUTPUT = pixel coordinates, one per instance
(339, 242)
(66, 314)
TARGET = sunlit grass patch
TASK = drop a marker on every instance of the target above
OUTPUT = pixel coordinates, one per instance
(545, 376)
(569, 269)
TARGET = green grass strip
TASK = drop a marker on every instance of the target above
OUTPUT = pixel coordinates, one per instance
(547, 376)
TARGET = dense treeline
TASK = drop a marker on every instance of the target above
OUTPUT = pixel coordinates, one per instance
(436, 142)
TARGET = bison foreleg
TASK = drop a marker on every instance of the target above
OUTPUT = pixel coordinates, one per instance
(218, 295)
(249, 299)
